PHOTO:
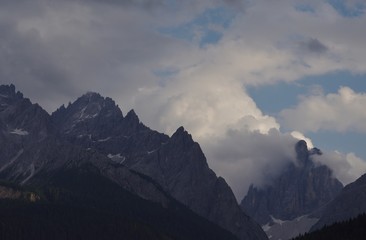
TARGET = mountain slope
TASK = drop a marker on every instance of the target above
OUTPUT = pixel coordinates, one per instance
(78, 203)
(24, 129)
(348, 204)
(351, 229)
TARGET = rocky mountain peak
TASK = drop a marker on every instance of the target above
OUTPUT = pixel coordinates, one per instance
(181, 133)
(91, 97)
(87, 108)
(302, 152)
(132, 116)
(132, 123)
(8, 94)
(182, 138)
(7, 90)
(94, 100)
(315, 151)
(21, 117)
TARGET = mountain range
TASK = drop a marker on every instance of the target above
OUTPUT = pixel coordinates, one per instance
(88, 156)
(87, 171)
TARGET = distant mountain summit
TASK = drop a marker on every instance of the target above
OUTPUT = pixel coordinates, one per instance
(301, 189)
(91, 142)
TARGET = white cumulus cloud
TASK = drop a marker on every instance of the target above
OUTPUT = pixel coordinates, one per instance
(341, 111)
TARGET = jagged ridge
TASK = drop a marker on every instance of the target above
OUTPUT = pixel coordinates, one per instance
(93, 130)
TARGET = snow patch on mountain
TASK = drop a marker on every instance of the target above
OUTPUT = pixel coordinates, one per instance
(150, 152)
(105, 139)
(118, 158)
(84, 115)
(20, 152)
(20, 132)
(32, 170)
(279, 229)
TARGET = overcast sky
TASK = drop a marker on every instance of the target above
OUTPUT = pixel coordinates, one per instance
(245, 78)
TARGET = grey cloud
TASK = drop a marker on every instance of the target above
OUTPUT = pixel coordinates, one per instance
(146, 4)
(241, 5)
(313, 45)
(24, 61)
(340, 112)
(249, 157)
(346, 167)
(62, 49)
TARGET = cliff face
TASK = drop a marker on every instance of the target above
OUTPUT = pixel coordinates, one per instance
(301, 189)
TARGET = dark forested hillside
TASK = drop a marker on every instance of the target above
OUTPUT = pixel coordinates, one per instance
(354, 229)
(81, 205)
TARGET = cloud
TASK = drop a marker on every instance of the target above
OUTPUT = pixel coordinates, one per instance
(313, 46)
(207, 108)
(92, 45)
(346, 167)
(246, 157)
(25, 62)
(300, 136)
(342, 111)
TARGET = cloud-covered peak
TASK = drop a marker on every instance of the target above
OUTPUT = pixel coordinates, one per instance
(300, 136)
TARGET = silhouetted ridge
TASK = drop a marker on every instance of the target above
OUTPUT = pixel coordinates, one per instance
(182, 138)
(8, 91)
(132, 116)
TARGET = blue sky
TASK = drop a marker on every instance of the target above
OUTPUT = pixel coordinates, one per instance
(205, 28)
(271, 99)
(240, 76)
(286, 94)
(351, 10)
